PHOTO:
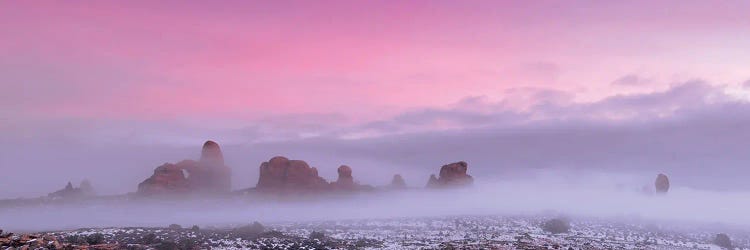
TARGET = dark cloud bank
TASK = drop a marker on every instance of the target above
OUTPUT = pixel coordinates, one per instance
(692, 131)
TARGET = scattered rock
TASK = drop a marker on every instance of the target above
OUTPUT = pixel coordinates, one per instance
(95, 239)
(661, 184)
(249, 231)
(317, 235)
(722, 240)
(556, 226)
(452, 175)
(149, 239)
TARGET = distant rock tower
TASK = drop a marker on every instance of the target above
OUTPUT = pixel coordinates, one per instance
(211, 153)
(345, 179)
(451, 175)
(207, 175)
(398, 182)
(661, 184)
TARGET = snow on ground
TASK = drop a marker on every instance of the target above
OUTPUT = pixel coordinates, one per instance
(450, 232)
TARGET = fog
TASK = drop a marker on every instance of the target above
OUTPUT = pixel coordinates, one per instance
(601, 196)
(702, 144)
(574, 162)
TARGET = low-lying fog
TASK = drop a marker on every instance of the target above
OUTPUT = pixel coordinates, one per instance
(599, 196)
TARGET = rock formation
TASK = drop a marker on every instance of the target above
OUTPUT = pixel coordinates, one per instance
(167, 178)
(280, 173)
(398, 182)
(661, 184)
(345, 180)
(452, 175)
(86, 187)
(31, 241)
(70, 192)
(208, 175)
(211, 153)
(432, 182)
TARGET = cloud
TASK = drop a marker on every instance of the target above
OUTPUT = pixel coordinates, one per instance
(631, 80)
(691, 131)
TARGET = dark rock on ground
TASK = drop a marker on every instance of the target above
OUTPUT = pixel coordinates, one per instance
(317, 235)
(723, 240)
(556, 226)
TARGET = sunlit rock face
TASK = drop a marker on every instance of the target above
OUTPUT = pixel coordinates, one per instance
(452, 175)
(661, 184)
(167, 179)
(209, 175)
(397, 182)
(280, 173)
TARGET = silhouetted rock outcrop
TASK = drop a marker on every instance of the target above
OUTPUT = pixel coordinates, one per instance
(280, 173)
(398, 182)
(208, 175)
(432, 182)
(661, 184)
(452, 175)
(69, 192)
(86, 188)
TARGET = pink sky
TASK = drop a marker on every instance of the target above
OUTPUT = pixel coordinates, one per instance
(363, 60)
(111, 89)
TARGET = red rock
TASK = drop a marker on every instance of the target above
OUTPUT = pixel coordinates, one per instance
(398, 182)
(167, 178)
(280, 173)
(661, 184)
(345, 179)
(452, 175)
(208, 175)
(212, 153)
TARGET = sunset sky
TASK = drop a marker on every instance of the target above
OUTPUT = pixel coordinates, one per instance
(95, 77)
